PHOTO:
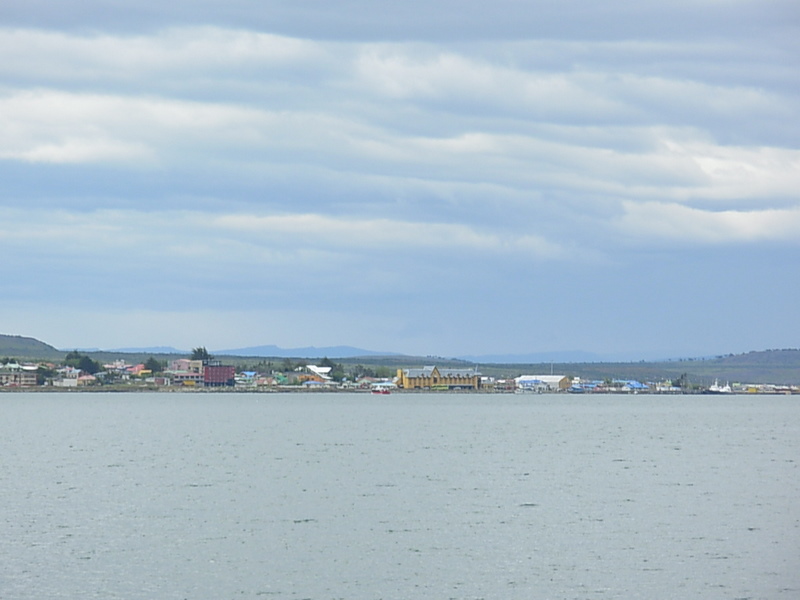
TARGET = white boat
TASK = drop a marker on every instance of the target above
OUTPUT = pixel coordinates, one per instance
(719, 389)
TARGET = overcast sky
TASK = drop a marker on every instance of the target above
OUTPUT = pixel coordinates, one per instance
(437, 177)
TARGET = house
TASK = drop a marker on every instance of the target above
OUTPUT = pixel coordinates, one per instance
(86, 379)
(67, 377)
(183, 371)
(527, 383)
(184, 364)
(629, 386)
(434, 378)
(371, 383)
(320, 373)
(313, 373)
(67, 382)
(179, 364)
(246, 379)
(15, 375)
(217, 375)
(186, 377)
(543, 383)
(119, 366)
(135, 370)
(312, 384)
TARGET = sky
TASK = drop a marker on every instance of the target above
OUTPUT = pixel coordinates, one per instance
(439, 178)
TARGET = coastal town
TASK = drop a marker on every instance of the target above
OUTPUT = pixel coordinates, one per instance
(204, 373)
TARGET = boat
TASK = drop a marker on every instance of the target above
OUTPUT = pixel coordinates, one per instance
(716, 388)
(381, 391)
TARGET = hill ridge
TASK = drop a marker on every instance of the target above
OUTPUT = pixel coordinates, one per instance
(26, 347)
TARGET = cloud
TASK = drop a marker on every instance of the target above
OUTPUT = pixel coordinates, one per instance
(431, 20)
(49, 124)
(382, 234)
(371, 156)
(81, 151)
(452, 101)
(759, 173)
(261, 240)
(52, 126)
(657, 222)
(103, 60)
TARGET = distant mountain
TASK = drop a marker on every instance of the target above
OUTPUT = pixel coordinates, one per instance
(16, 346)
(781, 367)
(150, 350)
(574, 356)
(272, 351)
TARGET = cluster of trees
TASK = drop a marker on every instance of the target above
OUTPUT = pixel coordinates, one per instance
(200, 353)
(359, 371)
(155, 366)
(83, 362)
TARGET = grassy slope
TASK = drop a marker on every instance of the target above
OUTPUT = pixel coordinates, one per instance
(15, 346)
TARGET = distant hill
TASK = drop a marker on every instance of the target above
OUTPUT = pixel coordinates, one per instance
(769, 366)
(575, 356)
(16, 346)
(272, 351)
(147, 350)
(766, 366)
(781, 367)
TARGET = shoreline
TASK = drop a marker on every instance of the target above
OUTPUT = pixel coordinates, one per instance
(299, 390)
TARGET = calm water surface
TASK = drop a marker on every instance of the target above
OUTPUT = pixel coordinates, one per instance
(323, 496)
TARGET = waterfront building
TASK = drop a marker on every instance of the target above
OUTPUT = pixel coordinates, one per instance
(435, 378)
(543, 383)
(15, 375)
(217, 375)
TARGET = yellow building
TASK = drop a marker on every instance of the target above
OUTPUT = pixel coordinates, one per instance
(434, 378)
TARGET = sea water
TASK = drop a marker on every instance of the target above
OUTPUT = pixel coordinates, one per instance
(430, 496)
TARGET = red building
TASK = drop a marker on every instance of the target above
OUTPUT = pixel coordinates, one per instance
(218, 375)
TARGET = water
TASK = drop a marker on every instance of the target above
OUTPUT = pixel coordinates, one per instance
(324, 496)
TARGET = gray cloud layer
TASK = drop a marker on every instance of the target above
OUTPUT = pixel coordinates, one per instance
(364, 170)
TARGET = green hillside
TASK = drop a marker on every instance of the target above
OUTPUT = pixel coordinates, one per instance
(16, 346)
(768, 366)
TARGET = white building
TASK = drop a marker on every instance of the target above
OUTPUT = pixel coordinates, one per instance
(542, 383)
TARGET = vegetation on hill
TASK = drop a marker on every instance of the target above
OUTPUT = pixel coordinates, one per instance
(27, 347)
(780, 367)
(200, 353)
(83, 362)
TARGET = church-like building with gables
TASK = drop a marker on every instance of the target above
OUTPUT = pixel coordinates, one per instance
(435, 378)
